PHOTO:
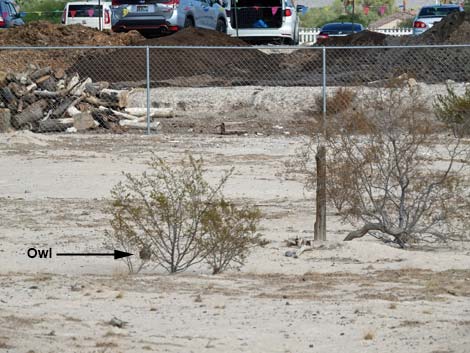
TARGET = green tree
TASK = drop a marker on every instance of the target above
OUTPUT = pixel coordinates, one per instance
(47, 10)
(365, 12)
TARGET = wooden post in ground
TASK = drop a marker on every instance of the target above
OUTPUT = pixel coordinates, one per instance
(320, 220)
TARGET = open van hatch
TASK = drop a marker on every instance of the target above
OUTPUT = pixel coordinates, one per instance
(256, 14)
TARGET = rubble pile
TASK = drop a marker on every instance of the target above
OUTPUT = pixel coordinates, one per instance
(47, 100)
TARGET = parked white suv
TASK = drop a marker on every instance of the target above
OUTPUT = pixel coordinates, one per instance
(92, 14)
(263, 20)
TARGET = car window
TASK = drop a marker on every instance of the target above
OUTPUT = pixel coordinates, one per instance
(260, 3)
(84, 11)
(342, 27)
(11, 9)
(437, 11)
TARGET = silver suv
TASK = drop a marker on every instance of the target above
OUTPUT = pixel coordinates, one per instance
(428, 15)
(209, 14)
(149, 17)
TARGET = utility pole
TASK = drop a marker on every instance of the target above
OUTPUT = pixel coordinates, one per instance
(100, 26)
(353, 7)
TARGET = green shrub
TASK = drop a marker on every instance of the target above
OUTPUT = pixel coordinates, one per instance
(172, 217)
(454, 110)
(231, 233)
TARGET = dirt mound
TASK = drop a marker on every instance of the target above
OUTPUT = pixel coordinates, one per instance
(196, 37)
(361, 38)
(43, 33)
(222, 67)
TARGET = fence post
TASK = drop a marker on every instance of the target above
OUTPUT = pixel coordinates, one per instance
(320, 159)
(324, 122)
(147, 51)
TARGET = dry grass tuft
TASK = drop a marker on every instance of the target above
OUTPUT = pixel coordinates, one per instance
(120, 295)
(392, 306)
(4, 345)
(105, 344)
(369, 336)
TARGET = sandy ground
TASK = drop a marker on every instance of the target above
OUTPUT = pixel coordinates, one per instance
(360, 296)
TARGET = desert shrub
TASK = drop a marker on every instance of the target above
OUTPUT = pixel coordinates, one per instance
(340, 101)
(230, 234)
(454, 110)
(385, 181)
(166, 215)
(341, 112)
(406, 23)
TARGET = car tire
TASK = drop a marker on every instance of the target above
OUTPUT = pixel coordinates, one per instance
(188, 22)
(221, 26)
(296, 40)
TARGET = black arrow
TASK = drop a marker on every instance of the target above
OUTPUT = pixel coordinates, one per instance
(117, 254)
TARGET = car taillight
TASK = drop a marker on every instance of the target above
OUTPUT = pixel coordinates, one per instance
(322, 36)
(172, 2)
(107, 18)
(287, 12)
(419, 24)
(2, 21)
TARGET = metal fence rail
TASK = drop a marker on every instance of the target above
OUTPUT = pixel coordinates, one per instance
(205, 89)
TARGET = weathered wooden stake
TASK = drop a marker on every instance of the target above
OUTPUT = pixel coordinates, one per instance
(320, 221)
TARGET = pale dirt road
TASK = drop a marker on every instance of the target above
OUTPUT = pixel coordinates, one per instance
(53, 193)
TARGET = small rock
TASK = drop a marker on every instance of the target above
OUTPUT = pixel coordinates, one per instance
(83, 121)
(3, 77)
(117, 322)
(412, 82)
(198, 299)
(77, 287)
(59, 74)
(290, 253)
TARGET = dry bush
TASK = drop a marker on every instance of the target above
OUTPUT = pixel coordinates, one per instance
(369, 336)
(386, 180)
(230, 234)
(454, 110)
(342, 111)
(170, 215)
(341, 100)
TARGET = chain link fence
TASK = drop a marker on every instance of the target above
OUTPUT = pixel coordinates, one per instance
(227, 90)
